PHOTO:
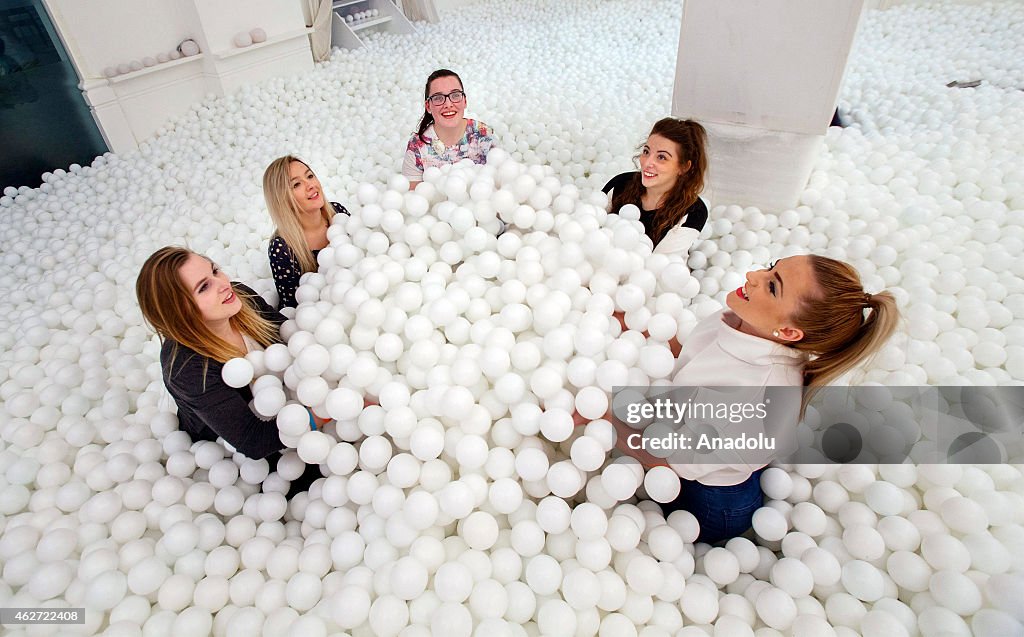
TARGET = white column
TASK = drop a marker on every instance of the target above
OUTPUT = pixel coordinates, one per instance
(763, 76)
(109, 116)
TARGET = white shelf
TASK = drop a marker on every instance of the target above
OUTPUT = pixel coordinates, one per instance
(389, 17)
(258, 45)
(163, 66)
(372, 22)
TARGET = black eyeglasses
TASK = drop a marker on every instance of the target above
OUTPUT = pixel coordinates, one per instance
(437, 99)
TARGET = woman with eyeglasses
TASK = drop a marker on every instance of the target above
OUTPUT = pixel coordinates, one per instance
(445, 135)
(672, 164)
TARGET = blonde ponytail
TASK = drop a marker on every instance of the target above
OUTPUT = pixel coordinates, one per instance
(843, 327)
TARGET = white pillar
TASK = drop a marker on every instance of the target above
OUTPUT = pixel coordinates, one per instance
(109, 116)
(763, 76)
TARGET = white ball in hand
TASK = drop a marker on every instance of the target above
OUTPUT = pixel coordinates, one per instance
(293, 420)
(237, 372)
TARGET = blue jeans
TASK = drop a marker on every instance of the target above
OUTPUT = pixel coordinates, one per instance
(723, 512)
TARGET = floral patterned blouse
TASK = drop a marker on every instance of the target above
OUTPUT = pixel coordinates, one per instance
(475, 144)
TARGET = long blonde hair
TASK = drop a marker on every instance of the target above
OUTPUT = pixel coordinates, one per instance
(843, 326)
(168, 307)
(285, 211)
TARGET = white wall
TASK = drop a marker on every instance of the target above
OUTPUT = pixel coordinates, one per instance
(222, 19)
(130, 108)
(104, 33)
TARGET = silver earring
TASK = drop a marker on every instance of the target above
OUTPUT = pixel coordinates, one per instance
(775, 333)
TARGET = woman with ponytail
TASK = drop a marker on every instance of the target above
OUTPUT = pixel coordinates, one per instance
(203, 321)
(445, 135)
(803, 322)
(672, 164)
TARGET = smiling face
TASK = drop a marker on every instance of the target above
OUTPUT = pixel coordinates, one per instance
(770, 298)
(448, 114)
(660, 163)
(210, 289)
(305, 187)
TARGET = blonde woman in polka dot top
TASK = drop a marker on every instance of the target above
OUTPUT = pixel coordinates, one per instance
(302, 215)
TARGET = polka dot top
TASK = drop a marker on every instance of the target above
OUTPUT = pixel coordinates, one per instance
(286, 268)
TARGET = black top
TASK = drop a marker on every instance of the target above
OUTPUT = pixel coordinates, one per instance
(285, 266)
(206, 412)
(696, 215)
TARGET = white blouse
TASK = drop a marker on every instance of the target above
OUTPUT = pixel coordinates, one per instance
(717, 354)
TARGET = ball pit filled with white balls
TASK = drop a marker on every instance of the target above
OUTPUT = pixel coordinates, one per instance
(465, 503)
